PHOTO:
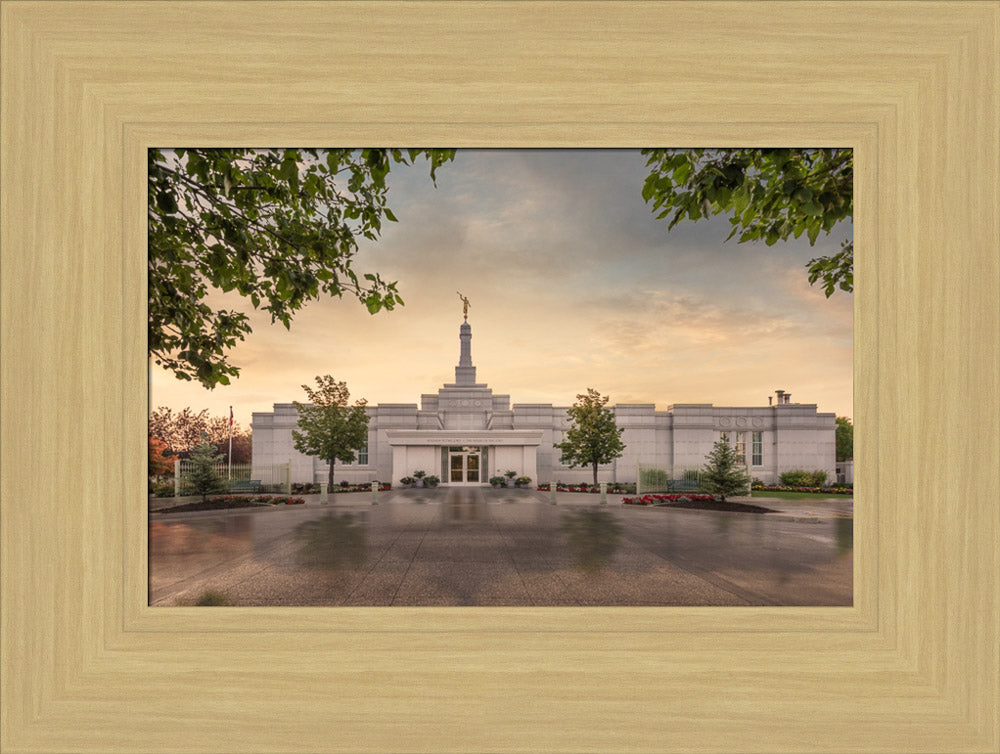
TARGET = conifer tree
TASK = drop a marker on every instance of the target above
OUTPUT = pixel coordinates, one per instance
(725, 473)
(202, 476)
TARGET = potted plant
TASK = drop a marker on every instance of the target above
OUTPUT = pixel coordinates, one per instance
(523, 481)
(431, 481)
(419, 476)
(497, 481)
(406, 481)
(510, 477)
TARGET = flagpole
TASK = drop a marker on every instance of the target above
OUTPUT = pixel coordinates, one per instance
(230, 443)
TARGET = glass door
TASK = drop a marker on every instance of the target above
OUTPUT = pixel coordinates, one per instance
(464, 465)
(457, 474)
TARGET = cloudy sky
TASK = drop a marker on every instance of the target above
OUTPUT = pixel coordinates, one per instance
(573, 283)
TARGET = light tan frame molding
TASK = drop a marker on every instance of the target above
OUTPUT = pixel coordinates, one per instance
(88, 667)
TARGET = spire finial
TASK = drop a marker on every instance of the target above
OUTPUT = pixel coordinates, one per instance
(465, 306)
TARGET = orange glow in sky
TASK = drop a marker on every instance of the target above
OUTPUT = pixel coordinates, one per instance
(572, 283)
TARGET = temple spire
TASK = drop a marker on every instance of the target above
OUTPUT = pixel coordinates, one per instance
(465, 373)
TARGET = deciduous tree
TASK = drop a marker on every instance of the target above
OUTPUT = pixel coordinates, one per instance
(277, 226)
(770, 195)
(593, 438)
(331, 429)
(161, 461)
(845, 439)
(180, 431)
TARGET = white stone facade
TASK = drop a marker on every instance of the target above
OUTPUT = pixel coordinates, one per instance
(465, 434)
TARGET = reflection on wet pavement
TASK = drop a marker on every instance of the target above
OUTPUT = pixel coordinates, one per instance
(474, 546)
(332, 540)
(592, 535)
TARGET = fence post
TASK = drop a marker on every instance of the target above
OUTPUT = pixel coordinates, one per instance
(288, 478)
(177, 477)
(638, 478)
(604, 492)
(322, 492)
(374, 492)
(553, 488)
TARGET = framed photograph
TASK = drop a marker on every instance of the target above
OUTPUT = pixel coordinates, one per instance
(686, 479)
(90, 666)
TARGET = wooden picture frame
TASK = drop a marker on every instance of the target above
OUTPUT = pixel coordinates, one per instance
(912, 666)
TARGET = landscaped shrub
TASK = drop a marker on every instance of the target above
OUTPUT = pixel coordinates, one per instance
(800, 478)
(653, 478)
(162, 490)
(834, 490)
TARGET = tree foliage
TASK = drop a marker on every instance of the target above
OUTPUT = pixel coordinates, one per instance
(725, 471)
(845, 439)
(769, 195)
(594, 437)
(161, 461)
(201, 475)
(181, 431)
(277, 226)
(331, 429)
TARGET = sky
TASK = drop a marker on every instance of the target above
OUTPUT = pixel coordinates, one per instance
(572, 284)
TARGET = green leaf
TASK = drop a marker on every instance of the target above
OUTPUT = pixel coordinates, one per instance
(166, 202)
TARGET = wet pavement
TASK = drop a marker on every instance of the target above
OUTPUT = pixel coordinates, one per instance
(479, 546)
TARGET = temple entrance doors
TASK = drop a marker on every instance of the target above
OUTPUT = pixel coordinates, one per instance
(465, 465)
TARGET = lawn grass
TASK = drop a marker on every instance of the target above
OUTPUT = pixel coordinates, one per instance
(781, 495)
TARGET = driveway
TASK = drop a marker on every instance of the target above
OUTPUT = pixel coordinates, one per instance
(476, 546)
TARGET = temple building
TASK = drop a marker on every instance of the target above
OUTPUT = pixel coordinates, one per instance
(465, 434)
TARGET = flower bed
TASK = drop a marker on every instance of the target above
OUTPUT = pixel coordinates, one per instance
(314, 489)
(284, 500)
(838, 490)
(225, 502)
(667, 498)
(613, 489)
(695, 501)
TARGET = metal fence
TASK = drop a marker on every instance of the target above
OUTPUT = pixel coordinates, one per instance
(272, 477)
(651, 478)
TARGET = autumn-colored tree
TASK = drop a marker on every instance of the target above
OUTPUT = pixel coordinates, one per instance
(161, 461)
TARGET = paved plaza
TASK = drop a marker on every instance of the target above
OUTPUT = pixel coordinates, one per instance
(479, 546)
